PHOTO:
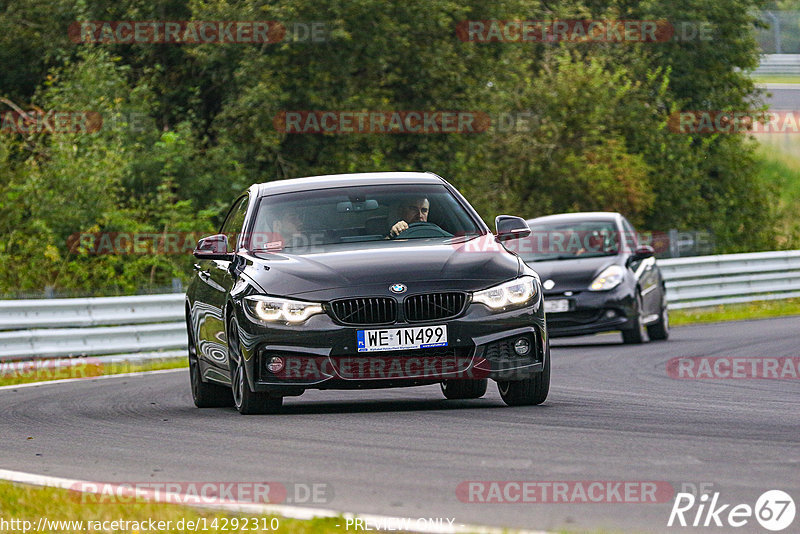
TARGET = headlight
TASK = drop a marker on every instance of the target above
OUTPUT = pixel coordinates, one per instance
(273, 309)
(513, 293)
(610, 278)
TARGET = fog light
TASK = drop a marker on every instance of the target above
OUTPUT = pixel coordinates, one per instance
(610, 314)
(522, 346)
(275, 365)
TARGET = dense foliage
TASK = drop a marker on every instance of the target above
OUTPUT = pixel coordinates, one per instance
(187, 127)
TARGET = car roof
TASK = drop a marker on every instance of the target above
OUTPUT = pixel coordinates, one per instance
(342, 180)
(579, 216)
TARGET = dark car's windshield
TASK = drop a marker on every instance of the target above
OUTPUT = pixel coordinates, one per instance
(569, 240)
(321, 218)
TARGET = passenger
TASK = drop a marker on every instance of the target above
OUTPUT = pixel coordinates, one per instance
(287, 227)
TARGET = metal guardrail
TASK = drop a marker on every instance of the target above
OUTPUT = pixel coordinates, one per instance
(62, 328)
(97, 311)
(779, 64)
(152, 325)
(731, 278)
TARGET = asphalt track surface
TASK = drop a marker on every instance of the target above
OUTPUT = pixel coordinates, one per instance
(783, 97)
(613, 414)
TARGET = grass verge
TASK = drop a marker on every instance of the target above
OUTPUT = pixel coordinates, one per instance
(779, 172)
(44, 370)
(736, 312)
(19, 503)
(783, 78)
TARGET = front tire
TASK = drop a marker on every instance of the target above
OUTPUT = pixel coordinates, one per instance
(530, 391)
(204, 394)
(464, 389)
(247, 401)
(659, 331)
(635, 334)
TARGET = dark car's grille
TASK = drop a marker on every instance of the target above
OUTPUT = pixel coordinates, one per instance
(575, 318)
(434, 306)
(371, 310)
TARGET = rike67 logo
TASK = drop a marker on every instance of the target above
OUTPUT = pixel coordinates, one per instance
(774, 510)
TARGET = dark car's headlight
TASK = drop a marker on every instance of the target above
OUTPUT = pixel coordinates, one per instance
(610, 278)
(508, 294)
(274, 309)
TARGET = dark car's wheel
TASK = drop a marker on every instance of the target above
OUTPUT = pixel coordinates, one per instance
(464, 389)
(659, 331)
(204, 394)
(247, 401)
(635, 333)
(529, 391)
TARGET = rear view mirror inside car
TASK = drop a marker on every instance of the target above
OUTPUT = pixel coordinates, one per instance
(367, 205)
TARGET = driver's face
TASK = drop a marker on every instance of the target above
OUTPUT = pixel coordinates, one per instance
(416, 211)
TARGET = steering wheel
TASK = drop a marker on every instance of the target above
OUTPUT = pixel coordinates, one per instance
(422, 229)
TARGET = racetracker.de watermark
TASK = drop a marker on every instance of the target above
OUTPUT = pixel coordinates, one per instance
(37, 370)
(574, 242)
(565, 492)
(381, 122)
(582, 31)
(125, 243)
(538, 242)
(51, 121)
(734, 122)
(380, 367)
(173, 243)
(203, 492)
(734, 367)
(198, 32)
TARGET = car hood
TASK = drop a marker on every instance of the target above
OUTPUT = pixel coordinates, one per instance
(369, 268)
(572, 275)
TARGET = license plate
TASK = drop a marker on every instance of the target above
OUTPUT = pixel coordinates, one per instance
(556, 306)
(420, 337)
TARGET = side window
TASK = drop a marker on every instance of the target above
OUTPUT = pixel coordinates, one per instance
(232, 226)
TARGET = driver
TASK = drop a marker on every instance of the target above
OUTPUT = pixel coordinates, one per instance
(414, 211)
(594, 242)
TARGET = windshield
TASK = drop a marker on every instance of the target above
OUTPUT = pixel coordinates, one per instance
(313, 220)
(569, 240)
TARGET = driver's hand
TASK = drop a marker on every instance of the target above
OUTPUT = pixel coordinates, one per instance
(399, 226)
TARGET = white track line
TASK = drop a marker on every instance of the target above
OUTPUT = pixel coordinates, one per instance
(90, 378)
(292, 512)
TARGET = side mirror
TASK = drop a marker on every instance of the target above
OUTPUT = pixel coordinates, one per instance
(644, 251)
(213, 247)
(510, 227)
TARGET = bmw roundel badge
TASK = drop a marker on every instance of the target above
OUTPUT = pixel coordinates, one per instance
(397, 288)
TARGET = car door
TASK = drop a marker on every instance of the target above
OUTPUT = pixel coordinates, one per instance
(646, 273)
(217, 281)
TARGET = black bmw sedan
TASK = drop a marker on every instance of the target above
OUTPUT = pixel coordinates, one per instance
(596, 276)
(362, 281)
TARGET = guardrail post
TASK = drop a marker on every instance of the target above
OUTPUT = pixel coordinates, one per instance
(674, 249)
(776, 26)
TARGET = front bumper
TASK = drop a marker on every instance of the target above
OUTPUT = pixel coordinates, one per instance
(321, 354)
(591, 312)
